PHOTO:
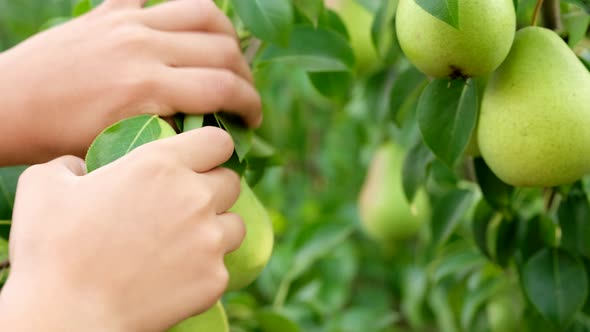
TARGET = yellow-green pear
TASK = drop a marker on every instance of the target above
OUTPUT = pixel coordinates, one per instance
(212, 320)
(504, 311)
(246, 263)
(385, 213)
(359, 22)
(477, 47)
(534, 125)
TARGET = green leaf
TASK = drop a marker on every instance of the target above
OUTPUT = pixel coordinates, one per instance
(8, 181)
(415, 169)
(484, 216)
(54, 22)
(312, 9)
(445, 10)
(333, 84)
(405, 92)
(192, 122)
(447, 213)
(383, 32)
(475, 300)
(82, 7)
(505, 241)
(319, 244)
(269, 20)
(584, 4)
(272, 321)
(574, 220)
(313, 50)
(537, 233)
(576, 24)
(330, 20)
(241, 135)
(447, 115)
(124, 136)
(496, 192)
(556, 284)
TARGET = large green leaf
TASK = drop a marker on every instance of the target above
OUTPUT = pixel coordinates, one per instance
(497, 193)
(269, 20)
(313, 50)
(445, 10)
(556, 284)
(574, 220)
(447, 115)
(124, 136)
(405, 91)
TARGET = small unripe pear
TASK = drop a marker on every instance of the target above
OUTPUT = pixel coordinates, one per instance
(212, 320)
(245, 264)
(385, 213)
(477, 47)
(534, 125)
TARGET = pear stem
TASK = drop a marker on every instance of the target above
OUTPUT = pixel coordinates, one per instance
(536, 12)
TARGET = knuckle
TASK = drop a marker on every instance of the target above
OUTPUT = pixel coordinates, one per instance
(207, 8)
(149, 160)
(31, 173)
(134, 35)
(219, 279)
(227, 84)
(230, 50)
(215, 238)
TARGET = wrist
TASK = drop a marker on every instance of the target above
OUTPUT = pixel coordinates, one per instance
(17, 141)
(26, 307)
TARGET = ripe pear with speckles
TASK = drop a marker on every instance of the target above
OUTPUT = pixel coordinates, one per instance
(477, 47)
(534, 125)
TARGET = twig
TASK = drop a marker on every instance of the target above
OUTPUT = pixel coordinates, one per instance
(536, 12)
(552, 15)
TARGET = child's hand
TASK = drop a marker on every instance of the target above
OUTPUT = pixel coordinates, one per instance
(62, 87)
(137, 245)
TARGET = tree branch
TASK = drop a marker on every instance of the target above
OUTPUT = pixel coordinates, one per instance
(552, 15)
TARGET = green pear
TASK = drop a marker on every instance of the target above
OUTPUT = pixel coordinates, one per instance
(504, 311)
(534, 125)
(212, 320)
(359, 22)
(385, 213)
(246, 263)
(477, 47)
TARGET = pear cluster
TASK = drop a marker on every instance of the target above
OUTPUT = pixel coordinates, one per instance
(534, 122)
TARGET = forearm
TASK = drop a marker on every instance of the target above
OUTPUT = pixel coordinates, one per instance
(27, 308)
(17, 145)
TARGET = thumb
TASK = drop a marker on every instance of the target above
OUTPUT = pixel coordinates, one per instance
(69, 165)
